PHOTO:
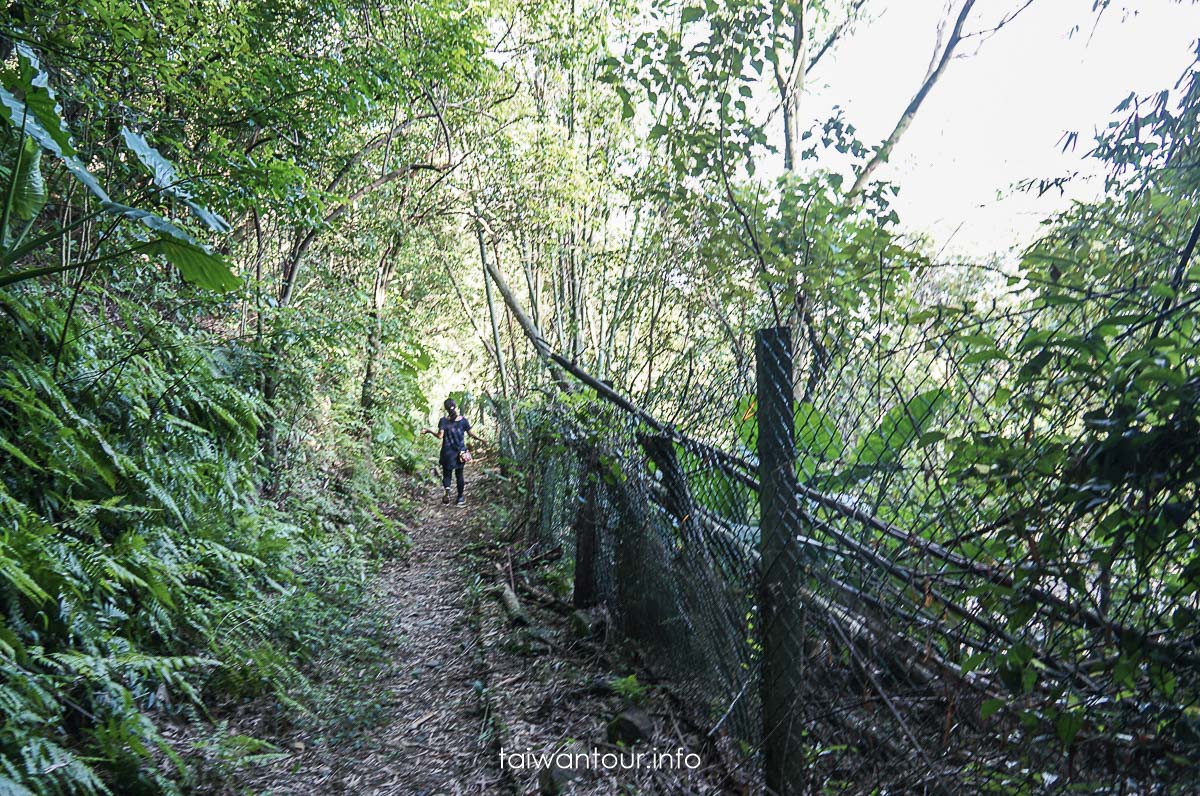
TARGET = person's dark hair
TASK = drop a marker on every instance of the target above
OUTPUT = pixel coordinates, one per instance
(451, 408)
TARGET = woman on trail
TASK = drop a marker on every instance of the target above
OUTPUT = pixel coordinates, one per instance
(453, 430)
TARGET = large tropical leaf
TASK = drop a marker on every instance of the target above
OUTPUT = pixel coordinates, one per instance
(902, 425)
(166, 178)
(897, 430)
(29, 188)
(816, 436)
(198, 266)
(715, 490)
(39, 98)
(22, 117)
(817, 440)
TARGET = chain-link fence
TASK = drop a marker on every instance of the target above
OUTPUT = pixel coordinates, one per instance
(944, 552)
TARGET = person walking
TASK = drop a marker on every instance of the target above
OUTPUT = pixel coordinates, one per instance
(453, 430)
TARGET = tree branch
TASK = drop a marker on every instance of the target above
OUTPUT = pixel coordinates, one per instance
(885, 150)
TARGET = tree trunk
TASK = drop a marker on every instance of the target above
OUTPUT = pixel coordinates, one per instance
(374, 347)
(790, 83)
(499, 347)
(531, 330)
(938, 67)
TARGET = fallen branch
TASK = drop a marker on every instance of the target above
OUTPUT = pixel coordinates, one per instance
(512, 606)
(545, 598)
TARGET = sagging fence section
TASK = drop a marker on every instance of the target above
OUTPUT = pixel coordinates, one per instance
(956, 554)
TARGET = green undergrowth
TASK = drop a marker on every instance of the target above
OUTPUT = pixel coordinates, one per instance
(143, 577)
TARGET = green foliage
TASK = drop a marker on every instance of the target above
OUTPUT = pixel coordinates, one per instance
(898, 430)
(120, 501)
(37, 125)
(719, 492)
(28, 187)
(194, 480)
(815, 434)
(817, 440)
(629, 688)
(140, 569)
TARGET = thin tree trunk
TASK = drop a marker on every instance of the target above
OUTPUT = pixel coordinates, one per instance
(374, 349)
(939, 67)
(531, 330)
(790, 85)
(491, 304)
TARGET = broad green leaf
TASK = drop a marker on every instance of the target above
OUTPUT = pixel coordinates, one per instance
(691, 14)
(29, 193)
(816, 433)
(39, 97)
(716, 490)
(21, 117)
(898, 429)
(197, 266)
(167, 179)
(1068, 726)
(817, 440)
(973, 662)
(152, 221)
(902, 426)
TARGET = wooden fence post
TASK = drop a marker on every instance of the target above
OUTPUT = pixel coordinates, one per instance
(780, 611)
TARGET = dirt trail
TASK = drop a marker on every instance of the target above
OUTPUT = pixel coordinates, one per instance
(465, 681)
(432, 745)
(422, 734)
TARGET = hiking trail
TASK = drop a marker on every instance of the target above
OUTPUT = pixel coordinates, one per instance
(465, 681)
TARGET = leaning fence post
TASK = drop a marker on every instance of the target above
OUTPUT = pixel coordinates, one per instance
(778, 596)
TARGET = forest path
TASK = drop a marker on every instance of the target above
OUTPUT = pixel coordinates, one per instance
(412, 721)
(432, 744)
(463, 680)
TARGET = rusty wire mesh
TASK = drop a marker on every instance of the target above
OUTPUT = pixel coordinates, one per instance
(976, 569)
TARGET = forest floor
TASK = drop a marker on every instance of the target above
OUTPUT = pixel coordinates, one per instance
(463, 680)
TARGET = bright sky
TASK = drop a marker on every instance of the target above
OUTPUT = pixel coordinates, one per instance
(997, 116)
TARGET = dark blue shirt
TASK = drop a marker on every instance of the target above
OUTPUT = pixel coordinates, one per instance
(454, 439)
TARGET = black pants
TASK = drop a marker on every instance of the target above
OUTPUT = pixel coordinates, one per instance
(457, 471)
